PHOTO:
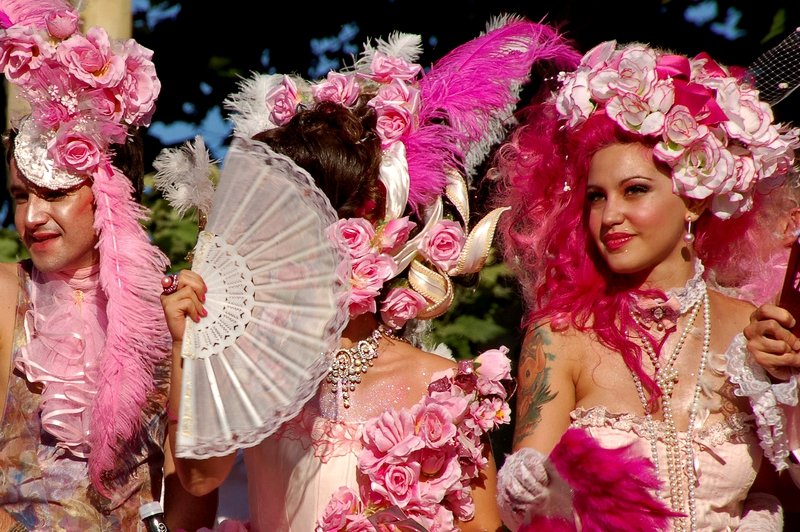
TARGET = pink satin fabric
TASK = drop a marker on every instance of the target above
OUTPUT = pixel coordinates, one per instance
(66, 327)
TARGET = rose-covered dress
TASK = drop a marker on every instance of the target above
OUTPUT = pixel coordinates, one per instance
(326, 474)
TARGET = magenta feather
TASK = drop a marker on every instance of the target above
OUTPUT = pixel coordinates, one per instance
(29, 12)
(137, 337)
(474, 89)
(613, 489)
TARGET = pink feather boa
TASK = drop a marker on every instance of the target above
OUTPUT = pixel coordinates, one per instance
(137, 337)
(613, 489)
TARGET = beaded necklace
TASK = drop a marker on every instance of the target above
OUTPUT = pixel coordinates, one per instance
(679, 454)
(348, 364)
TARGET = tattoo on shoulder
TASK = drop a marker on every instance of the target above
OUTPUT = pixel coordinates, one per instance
(533, 386)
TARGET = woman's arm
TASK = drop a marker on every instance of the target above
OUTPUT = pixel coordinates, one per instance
(545, 389)
(198, 477)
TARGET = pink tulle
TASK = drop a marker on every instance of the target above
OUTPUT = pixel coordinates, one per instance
(613, 488)
(137, 337)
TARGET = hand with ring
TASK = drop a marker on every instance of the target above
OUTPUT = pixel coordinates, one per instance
(183, 296)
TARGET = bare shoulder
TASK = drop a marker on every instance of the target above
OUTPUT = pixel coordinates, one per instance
(9, 285)
(569, 343)
(729, 316)
(734, 312)
(8, 275)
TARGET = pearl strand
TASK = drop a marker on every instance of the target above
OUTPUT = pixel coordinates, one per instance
(666, 376)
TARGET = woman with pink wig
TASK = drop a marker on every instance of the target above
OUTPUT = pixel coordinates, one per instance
(636, 229)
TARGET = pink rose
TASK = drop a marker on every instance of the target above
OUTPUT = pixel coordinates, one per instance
(447, 477)
(645, 117)
(573, 101)
(443, 243)
(394, 234)
(104, 103)
(75, 152)
(703, 169)
(397, 92)
(397, 482)
(401, 305)
(337, 88)
(91, 59)
(61, 23)
(140, 87)
(434, 423)
(461, 503)
(636, 72)
(343, 502)
(385, 68)
(393, 121)
(371, 271)
(50, 114)
(680, 130)
(355, 234)
(389, 437)
(283, 100)
(599, 56)
(22, 51)
(493, 367)
(362, 301)
(749, 119)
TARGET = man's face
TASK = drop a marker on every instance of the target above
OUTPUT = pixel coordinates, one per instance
(56, 227)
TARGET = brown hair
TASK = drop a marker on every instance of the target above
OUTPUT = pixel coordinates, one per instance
(339, 148)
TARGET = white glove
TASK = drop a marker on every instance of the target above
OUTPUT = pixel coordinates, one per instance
(762, 512)
(528, 485)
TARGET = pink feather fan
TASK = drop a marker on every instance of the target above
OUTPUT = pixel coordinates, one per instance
(613, 489)
(469, 96)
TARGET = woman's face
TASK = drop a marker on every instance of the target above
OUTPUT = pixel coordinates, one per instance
(635, 220)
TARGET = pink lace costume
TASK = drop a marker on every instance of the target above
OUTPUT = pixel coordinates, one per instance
(43, 444)
(294, 474)
(724, 456)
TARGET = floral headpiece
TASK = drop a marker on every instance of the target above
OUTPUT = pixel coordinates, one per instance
(711, 128)
(435, 128)
(85, 92)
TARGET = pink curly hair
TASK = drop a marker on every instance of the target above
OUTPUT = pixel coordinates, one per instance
(545, 241)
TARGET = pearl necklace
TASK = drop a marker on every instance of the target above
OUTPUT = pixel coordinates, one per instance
(680, 454)
(348, 364)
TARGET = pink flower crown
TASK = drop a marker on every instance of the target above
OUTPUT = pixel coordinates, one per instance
(435, 129)
(84, 92)
(713, 131)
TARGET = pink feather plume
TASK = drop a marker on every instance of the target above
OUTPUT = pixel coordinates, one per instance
(137, 338)
(473, 90)
(613, 489)
(29, 12)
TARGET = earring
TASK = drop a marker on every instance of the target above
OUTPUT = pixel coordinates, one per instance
(688, 236)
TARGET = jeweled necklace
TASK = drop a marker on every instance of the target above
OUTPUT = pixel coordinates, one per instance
(679, 454)
(348, 364)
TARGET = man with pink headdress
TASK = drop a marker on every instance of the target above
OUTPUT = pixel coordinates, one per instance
(82, 348)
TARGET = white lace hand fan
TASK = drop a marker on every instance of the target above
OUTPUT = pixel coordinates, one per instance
(275, 284)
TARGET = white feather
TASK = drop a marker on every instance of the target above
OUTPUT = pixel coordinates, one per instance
(406, 46)
(184, 176)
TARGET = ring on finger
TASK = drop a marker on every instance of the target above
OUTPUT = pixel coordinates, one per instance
(169, 283)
